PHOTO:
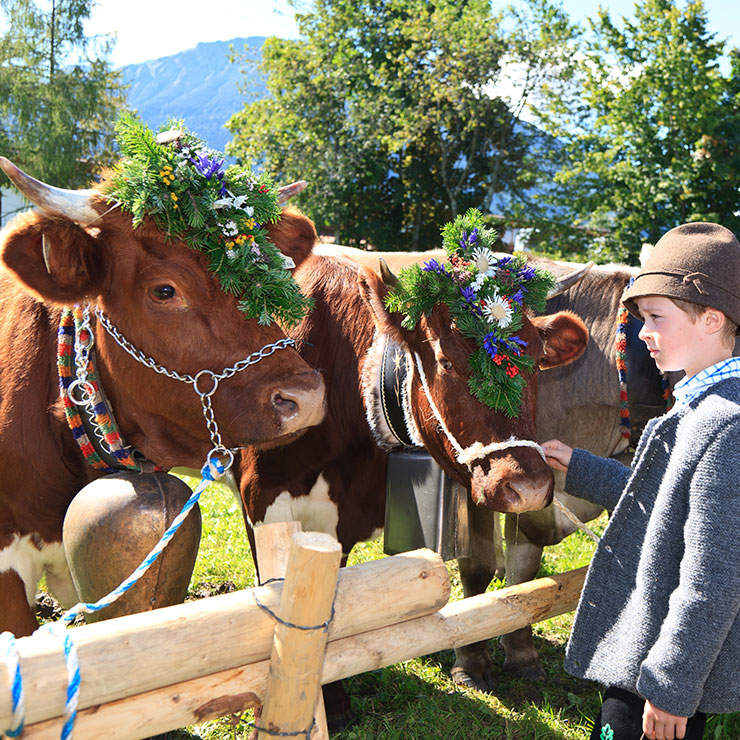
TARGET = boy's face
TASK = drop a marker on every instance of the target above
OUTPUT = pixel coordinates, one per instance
(675, 341)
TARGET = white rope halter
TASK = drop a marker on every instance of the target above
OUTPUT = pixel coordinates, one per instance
(465, 456)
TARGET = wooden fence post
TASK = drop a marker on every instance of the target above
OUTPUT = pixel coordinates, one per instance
(292, 694)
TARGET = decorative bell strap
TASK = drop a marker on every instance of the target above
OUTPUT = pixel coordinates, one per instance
(93, 427)
(393, 373)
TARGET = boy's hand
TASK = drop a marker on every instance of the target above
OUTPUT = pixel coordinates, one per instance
(660, 725)
(558, 454)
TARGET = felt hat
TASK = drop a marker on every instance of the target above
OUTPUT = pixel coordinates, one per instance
(697, 262)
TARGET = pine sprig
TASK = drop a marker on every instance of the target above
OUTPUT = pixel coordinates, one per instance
(181, 184)
(487, 296)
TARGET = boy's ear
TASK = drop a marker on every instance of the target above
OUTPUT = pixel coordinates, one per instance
(54, 259)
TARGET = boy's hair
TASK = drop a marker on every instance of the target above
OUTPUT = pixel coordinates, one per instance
(698, 263)
(695, 311)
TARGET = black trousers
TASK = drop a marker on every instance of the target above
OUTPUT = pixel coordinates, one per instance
(622, 711)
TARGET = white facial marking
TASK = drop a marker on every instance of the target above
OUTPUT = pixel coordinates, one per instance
(316, 511)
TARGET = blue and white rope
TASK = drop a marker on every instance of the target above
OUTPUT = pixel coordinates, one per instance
(211, 471)
(9, 653)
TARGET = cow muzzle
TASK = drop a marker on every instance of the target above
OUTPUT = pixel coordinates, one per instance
(299, 407)
(513, 484)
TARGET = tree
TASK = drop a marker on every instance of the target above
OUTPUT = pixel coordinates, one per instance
(389, 108)
(650, 136)
(58, 96)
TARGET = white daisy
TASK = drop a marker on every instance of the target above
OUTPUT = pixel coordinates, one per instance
(485, 260)
(498, 310)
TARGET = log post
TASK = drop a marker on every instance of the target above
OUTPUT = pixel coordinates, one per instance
(294, 683)
(272, 542)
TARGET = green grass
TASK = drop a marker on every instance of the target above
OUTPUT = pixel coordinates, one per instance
(417, 699)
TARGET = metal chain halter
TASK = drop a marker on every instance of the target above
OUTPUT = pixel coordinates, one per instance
(86, 391)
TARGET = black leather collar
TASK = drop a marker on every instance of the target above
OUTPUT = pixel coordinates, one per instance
(393, 371)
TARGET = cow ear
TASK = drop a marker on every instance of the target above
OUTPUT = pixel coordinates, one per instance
(294, 235)
(564, 336)
(55, 260)
(373, 291)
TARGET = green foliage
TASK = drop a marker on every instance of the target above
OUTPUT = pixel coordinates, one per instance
(58, 95)
(387, 109)
(486, 297)
(181, 184)
(650, 133)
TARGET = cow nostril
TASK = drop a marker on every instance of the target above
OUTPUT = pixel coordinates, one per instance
(286, 407)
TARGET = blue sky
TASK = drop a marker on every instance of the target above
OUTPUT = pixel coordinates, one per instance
(148, 29)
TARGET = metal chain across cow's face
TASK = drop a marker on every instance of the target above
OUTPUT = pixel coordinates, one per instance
(82, 351)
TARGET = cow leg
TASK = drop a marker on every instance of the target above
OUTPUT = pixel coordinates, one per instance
(522, 563)
(17, 615)
(473, 666)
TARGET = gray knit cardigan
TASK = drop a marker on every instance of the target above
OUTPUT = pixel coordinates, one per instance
(660, 611)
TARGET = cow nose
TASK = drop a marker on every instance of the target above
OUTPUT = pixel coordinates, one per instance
(528, 494)
(298, 408)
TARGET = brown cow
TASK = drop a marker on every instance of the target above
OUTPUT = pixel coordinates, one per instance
(578, 404)
(333, 479)
(162, 298)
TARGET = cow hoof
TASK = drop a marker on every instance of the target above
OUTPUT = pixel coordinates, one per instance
(528, 672)
(479, 681)
(339, 722)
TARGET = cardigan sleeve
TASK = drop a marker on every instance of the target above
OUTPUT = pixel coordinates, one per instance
(598, 479)
(706, 602)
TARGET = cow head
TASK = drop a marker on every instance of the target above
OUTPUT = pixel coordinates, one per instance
(162, 296)
(452, 423)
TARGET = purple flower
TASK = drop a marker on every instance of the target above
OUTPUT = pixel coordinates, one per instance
(433, 266)
(470, 299)
(518, 297)
(527, 273)
(515, 345)
(499, 346)
(469, 241)
(208, 166)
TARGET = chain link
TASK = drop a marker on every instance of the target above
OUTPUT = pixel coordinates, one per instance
(82, 354)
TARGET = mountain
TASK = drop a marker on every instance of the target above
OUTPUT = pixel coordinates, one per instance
(199, 86)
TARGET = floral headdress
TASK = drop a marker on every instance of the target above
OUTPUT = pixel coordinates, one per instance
(183, 186)
(487, 296)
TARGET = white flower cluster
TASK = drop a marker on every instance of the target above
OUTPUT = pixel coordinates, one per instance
(497, 308)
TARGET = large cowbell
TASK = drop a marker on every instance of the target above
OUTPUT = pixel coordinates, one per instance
(424, 507)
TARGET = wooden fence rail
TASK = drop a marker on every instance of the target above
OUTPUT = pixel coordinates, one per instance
(150, 673)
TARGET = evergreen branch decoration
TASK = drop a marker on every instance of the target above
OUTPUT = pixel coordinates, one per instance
(486, 296)
(174, 178)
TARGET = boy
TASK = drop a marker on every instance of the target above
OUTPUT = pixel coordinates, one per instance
(658, 622)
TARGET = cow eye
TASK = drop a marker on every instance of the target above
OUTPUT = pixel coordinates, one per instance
(445, 364)
(164, 292)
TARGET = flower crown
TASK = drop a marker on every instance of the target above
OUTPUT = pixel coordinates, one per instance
(487, 296)
(183, 186)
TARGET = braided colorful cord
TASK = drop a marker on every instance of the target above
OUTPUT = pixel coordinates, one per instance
(69, 325)
(624, 409)
(621, 352)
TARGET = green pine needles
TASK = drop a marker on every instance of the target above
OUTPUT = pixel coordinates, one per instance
(487, 296)
(174, 178)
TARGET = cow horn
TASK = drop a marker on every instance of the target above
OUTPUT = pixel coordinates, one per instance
(76, 205)
(46, 251)
(385, 272)
(569, 280)
(286, 192)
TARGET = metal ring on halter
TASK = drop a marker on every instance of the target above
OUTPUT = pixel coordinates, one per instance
(214, 379)
(229, 456)
(87, 389)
